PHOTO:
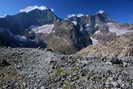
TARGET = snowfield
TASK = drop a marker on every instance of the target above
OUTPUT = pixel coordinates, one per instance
(46, 29)
(118, 30)
(94, 41)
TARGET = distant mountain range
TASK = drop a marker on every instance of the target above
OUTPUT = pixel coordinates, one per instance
(42, 28)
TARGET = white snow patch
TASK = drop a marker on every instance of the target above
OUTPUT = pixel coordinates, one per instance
(80, 15)
(52, 9)
(30, 8)
(97, 32)
(21, 38)
(94, 41)
(44, 29)
(96, 25)
(87, 25)
(74, 22)
(117, 30)
(71, 15)
(100, 11)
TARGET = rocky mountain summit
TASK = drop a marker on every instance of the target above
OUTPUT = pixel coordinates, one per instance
(41, 69)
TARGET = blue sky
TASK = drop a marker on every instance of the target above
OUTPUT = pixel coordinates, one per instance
(119, 10)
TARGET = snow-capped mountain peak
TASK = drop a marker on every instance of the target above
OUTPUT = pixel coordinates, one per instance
(101, 11)
(75, 15)
(71, 15)
(80, 15)
(31, 8)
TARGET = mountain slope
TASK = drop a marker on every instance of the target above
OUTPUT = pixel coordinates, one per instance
(121, 46)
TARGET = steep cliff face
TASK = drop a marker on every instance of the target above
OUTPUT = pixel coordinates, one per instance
(74, 33)
(66, 38)
(87, 23)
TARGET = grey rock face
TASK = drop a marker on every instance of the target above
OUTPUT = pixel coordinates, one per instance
(67, 38)
(103, 35)
(102, 18)
(87, 23)
(75, 32)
